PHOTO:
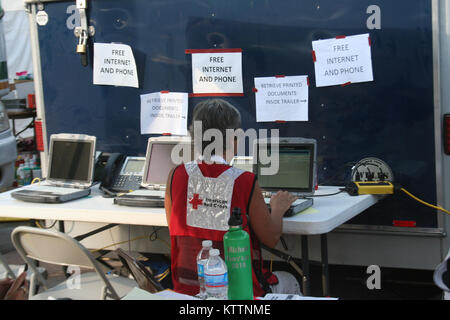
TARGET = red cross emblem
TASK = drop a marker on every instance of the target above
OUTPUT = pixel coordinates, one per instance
(195, 201)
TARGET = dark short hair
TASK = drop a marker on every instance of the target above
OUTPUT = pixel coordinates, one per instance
(215, 114)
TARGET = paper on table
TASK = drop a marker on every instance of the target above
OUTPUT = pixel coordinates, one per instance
(281, 296)
(172, 295)
(308, 211)
(139, 294)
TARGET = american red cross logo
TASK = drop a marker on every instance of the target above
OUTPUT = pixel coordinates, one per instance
(195, 201)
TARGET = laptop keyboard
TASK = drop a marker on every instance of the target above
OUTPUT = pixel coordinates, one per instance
(58, 190)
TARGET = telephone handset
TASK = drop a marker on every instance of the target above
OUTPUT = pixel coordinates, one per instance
(122, 174)
(112, 168)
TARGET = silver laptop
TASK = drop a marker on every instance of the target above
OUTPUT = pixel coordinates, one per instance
(296, 163)
(158, 163)
(70, 171)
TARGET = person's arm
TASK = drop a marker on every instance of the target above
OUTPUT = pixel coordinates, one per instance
(5, 284)
(268, 225)
(19, 288)
(168, 198)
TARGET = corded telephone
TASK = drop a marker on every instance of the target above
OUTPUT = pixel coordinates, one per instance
(118, 173)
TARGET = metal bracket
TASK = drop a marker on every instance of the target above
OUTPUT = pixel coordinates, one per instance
(83, 32)
(78, 30)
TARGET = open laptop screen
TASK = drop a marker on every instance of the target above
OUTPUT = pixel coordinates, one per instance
(70, 160)
(160, 163)
(295, 169)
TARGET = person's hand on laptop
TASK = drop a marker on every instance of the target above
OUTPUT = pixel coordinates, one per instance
(281, 202)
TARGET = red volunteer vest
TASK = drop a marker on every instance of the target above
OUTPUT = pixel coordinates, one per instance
(186, 240)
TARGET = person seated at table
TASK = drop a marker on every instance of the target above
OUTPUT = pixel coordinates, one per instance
(187, 230)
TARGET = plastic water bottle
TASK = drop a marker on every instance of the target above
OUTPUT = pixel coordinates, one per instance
(202, 258)
(27, 173)
(20, 175)
(216, 276)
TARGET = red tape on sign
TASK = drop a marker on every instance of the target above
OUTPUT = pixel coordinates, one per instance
(188, 51)
(216, 94)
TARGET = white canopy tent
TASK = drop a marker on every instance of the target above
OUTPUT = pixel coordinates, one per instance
(18, 54)
(17, 38)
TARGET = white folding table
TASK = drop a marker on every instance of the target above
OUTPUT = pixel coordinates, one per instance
(327, 213)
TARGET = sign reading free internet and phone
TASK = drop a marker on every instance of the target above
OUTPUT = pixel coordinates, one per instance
(342, 60)
(216, 72)
(114, 65)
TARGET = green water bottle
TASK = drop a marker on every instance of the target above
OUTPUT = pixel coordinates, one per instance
(236, 243)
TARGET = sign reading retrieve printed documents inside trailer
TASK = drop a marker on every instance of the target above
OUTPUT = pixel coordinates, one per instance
(281, 98)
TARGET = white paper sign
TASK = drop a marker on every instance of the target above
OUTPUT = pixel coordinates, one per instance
(281, 98)
(164, 113)
(217, 72)
(114, 65)
(343, 60)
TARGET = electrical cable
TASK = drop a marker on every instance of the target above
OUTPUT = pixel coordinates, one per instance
(134, 239)
(161, 276)
(45, 227)
(37, 223)
(326, 195)
(33, 181)
(154, 236)
(423, 202)
(117, 243)
(29, 126)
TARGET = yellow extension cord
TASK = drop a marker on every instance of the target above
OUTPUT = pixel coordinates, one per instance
(423, 202)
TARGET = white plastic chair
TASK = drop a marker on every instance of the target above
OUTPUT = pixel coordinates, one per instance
(5, 269)
(58, 248)
(14, 270)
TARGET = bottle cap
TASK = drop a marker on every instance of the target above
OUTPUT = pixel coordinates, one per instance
(235, 218)
(214, 252)
(206, 243)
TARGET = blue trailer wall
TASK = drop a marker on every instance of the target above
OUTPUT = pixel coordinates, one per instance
(390, 118)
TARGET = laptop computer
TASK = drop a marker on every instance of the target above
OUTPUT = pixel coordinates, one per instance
(70, 171)
(293, 170)
(158, 163)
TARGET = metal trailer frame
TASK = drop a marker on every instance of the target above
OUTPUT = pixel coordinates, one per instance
(364, 245)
